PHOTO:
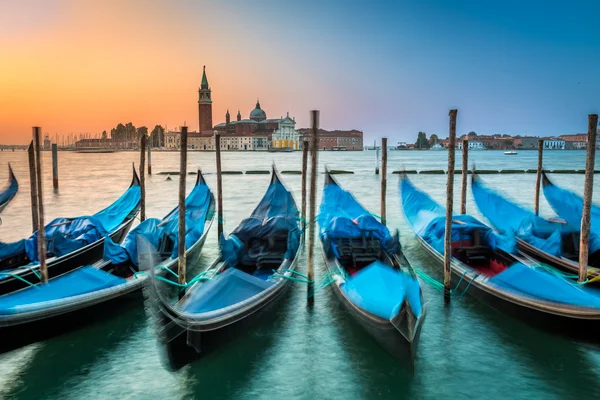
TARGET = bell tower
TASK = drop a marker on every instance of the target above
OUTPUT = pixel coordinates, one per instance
(204, 104)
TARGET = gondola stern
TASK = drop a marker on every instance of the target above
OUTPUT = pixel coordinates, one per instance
(329, 179)
(546, 182)
(11, 175)
(409, 326)
(200, 178)
(135, 181)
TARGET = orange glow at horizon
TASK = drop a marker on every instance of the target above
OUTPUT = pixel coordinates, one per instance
(87, 66)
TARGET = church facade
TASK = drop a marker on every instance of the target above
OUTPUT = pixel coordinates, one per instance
(280, 133)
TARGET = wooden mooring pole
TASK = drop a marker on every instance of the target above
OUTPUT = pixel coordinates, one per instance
(149, 158)
(33, 188)
(181, 230)
(41, 239)
(383, 179)
(538, 178)
(376, 157)
(55, 166)
(219, 186)
(314, 150)
(142, 177)
(449, 204)
(305, 146)
(588, 189)
(465, 172)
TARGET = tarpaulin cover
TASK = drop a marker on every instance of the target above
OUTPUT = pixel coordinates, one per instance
(196, 211)
(569, 206)
(380, 290)
(276, 214)
(10, 190)
(226, 289)
(65, 235)
(428, 220)
(511, 219)
(80, 281)
(10, 249)
(342, 216)
(543, 285)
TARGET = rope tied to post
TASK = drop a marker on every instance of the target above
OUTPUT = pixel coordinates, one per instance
(439, 286)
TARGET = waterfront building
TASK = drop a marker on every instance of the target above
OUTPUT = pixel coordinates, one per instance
(528, 142)
(281, 132)
(172, 140)
(473, 145)
(580, 139)
(335, 140)
(47, 143)
(554, 144)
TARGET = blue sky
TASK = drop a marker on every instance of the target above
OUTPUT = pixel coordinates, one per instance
(388, 68)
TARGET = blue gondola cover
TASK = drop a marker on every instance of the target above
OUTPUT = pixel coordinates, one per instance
(276, 214)
(68, 234)
(428, 220)
(83, 280)
(543, 285)
(511, 219)
(380, 290)
(196, 212)
(228, 288)
(342, 216)
(569, 206)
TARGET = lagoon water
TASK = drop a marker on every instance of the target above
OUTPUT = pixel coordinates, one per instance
(467, 349)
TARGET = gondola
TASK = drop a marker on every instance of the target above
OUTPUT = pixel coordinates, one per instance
(246, 280)
(70, 242)
(92, 291)
(484, 263)
(569, 205)
(554, 241)
(10, 190)
(371, 277)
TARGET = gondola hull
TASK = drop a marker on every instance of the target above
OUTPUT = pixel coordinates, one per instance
(564, 320)
(564, 264)
(399, 345)
(185, 345)
(21, 330)
(58, 266)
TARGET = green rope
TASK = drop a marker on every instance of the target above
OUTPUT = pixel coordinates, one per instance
(37, 274)
(19, 278)
(440, 286)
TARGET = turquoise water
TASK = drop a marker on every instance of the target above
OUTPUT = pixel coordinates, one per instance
(467, 350)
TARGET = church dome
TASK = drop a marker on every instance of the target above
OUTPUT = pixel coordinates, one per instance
(258, 114)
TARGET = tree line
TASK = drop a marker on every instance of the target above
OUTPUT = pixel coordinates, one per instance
(129, 133)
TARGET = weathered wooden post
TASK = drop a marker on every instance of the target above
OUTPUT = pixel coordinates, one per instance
(376, 157)
(142, 177)
(305, 146)
(588, 189)
(465, 172)
(383, 179)
(55, 166)
(314, 149)
(33, 188)
(149, 158)
(449, 204)
(219, 186)
(538, 178)
(181, 229)
(41, 239)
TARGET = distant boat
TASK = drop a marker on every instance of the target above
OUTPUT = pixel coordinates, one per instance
(281, 150)
(437, 147)
(510, 153)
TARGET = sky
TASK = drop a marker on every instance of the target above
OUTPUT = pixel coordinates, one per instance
(390, 69)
